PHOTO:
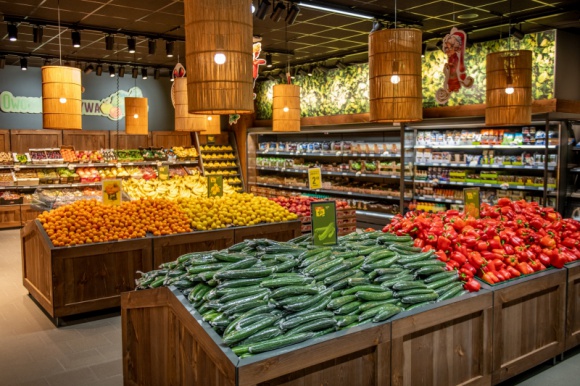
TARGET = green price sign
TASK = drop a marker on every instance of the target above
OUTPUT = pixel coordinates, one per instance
(324, 228)
(471, 201)
(215, 186)
(314, 178)
(163, 172)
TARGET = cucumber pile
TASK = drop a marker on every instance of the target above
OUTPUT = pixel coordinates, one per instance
(260, 295)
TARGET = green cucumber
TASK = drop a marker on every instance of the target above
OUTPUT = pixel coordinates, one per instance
(353, 282)
(293, 290)
(300, 306)
(239, 335)
(439, 276)
(443, 282)
(286, 266)
(429, 270)
(238, 247)
(415, 257)
(404, 248)
(295, 322)
(313, 325)
(418, 305)
(368, 305)
(373, 296)
(197, 269)
(265, 334)
(407, 285)
(250, 273)
(258, 310)
(386, 314)
(451, 293)
(229, 257)
(347, 255)
(345, 320)
(419, 298)
(424, 263)
(395, 280)
(368, 287)
(293, 299)
(385, 263)
(380, 255)
(414, 291)
(279, 342)
(390, 271)
(348, 308)
(339, 276)
(319, 255)
(341, 301)
(245, 306)
(238, 283)
(332, 271)
(247, 298)
(369, 250)
(372, 312)
(320, 306)
(323, 267)
(343, 283)
(240, 294)
(286, 281)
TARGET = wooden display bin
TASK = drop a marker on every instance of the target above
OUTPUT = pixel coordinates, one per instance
(444, 344)
(73, 280)
(282, 231)
(169, 248)
(165, 343)
(528, 322)
(9, 216)
(573, 306)
(28, 214)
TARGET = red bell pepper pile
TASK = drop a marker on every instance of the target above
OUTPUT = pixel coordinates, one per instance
(510, 239)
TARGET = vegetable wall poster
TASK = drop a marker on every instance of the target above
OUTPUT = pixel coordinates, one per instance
(345, 91)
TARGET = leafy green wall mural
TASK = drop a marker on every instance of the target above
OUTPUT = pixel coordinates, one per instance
(346, 91)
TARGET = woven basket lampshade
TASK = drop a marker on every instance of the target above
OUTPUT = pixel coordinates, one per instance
(136, 116)
(61, 98)
(219, 27)
(184, 121)
(505, 69)
(286, 108)
(395, 90)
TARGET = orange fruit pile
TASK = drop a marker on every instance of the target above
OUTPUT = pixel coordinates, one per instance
(89, 221)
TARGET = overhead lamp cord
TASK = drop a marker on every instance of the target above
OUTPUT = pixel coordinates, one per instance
(59, 43)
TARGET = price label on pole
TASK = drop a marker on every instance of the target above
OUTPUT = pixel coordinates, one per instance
(324, 227)
(215, 186)
(471, 201)
(112, 192)
(163, 172)
(314, 178)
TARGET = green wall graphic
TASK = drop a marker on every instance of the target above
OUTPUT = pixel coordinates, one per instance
(346, 91)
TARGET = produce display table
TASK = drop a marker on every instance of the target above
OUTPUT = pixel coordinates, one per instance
(528, 322)
(72, 280)
(165, 342)
(573, 306)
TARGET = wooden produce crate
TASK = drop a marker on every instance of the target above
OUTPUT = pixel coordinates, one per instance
(9, 216)
(169, 248)
(28, 214)
(73, 280)
(573, 306)
(446, 344)
(281, 231)
(166, 343)
(528, 322)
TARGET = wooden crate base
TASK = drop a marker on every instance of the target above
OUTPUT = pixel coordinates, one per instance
(10, 216)
(573, 306)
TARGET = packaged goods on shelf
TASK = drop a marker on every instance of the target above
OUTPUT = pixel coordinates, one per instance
(26, 177)
(10, 198)
(6, 178)
(48, 199)
(6, 158)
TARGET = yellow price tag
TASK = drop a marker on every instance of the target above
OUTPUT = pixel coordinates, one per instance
(112, 192)
(314, 178)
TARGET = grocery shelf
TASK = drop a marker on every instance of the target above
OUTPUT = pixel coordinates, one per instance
(486, 147)
(220, 167)
(96, 165)
(75, 185)
(375, 214)
(327, 173)
(327, 154)
(436, 199)
(474, 184)
(481, 166)
(331, 192)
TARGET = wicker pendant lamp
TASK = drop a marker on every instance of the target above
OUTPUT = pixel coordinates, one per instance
(509, 88)
(136, 116)
(395, 75)
(184, 121)
(61, 94)
(286, 108)
(218, 40)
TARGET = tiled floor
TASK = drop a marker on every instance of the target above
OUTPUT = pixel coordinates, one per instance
(88, 353)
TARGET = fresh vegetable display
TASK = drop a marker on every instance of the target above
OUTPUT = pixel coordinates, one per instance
(260, 295)
(511, 239)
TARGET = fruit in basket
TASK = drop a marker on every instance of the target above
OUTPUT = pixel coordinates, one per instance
(22, 158)
(88, 221)
(68, 155)
(238, 209)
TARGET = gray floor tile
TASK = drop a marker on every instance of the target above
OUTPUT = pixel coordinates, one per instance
(72, 378)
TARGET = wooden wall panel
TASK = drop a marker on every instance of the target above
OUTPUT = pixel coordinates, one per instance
(127, 141)
(86, 140)
(448, 345)
(22, 140)
(5, 140)
(167, 139)
(573, 307)
(529, 323)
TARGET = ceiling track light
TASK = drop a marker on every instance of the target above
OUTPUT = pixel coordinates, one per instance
(277, 12)
(99, 71)
(334, 10)
(131, 44)
(377, 26)
(134, 72)
(152, 45)
(89, 68)
(121, 71)
(269, 60)
(111, 71)
(169, 45)
(37, 32)
(109, 42)
(292, 14)
(144, 73)
(75, 36)
(156, 73)
(517, 33)
(262, 10)
(23, 64)
(12, 32)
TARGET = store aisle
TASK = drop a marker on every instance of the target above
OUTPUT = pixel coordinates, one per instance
(34, 352)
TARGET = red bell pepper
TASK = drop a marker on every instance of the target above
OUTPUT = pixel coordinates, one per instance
(443, 243)
(570, 243)
(458, 257)
(472, 285)
(524, 268)
(548, 242)
(490, 278)
(514, 272)
(558, 260)
(475, 259)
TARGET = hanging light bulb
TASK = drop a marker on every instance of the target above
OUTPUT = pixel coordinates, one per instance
(136, 116)
(509, 89)
(62, 100)
(209, 118)
(395, 78)
(219, 58)
(285, 109)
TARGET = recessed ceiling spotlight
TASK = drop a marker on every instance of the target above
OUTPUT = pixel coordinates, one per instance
(468, 16)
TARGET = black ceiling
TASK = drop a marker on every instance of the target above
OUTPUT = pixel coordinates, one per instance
(316, 36)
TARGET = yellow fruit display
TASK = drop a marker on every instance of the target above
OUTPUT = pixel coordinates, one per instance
(172, 189)
(185, 152)
(238, 209)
